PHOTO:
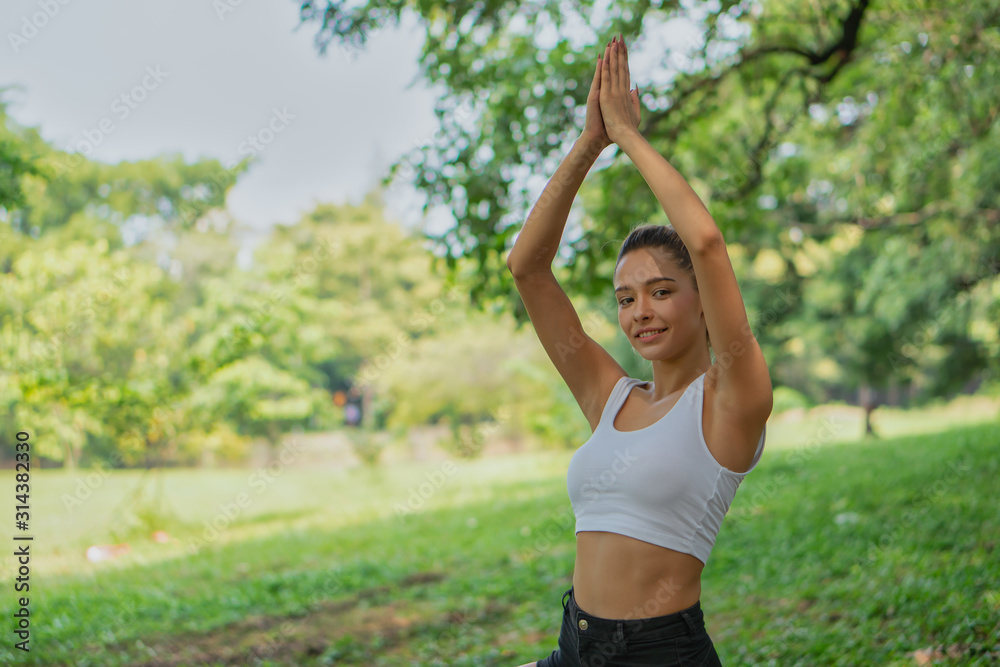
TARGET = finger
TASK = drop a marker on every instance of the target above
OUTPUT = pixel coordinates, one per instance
(606, 68)
(595, 85)
(628, 76)
(613, 66)
(622, 69)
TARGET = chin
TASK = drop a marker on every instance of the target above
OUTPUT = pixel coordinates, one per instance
(650, 355)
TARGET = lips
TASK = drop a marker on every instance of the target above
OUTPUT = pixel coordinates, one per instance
(640, 335)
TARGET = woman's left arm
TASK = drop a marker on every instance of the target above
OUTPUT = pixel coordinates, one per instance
(743, 382)
(683, 207)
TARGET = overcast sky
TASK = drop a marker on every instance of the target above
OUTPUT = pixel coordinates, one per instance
(130, 80)
(199, 82)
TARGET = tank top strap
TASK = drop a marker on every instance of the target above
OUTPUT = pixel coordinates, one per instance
(618, 396)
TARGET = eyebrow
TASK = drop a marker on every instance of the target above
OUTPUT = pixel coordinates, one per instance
(623, 288)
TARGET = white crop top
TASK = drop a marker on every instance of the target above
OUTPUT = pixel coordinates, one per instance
(659, 484)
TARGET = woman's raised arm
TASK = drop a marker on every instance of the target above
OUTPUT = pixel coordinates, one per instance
(620, 109)
(589, 371)
(743, 380)
(539, 238)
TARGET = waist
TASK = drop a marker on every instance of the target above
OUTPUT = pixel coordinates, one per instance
(687, 621)
(621, 577)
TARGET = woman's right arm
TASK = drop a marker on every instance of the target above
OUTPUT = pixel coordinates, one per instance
(587, 368)
(538, 240)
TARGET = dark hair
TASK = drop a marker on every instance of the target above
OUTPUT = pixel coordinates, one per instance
(663, 237)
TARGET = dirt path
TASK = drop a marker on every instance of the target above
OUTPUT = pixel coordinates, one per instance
(291, 639)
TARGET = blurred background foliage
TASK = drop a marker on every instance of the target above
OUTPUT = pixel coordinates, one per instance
(849, 152)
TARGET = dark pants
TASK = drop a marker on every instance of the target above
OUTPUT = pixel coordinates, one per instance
(677, 639)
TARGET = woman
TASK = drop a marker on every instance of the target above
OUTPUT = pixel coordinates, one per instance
(652, 484)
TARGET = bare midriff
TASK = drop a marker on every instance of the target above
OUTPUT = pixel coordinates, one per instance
(621, 577)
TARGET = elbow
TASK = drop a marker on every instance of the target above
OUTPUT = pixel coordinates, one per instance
(515, 271)
(521, 273)
(518, 267)
(706, 242)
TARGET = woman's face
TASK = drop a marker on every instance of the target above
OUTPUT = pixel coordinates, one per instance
(647, 301)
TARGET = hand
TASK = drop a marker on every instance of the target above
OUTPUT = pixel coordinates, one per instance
(620, 107)
(594, 132)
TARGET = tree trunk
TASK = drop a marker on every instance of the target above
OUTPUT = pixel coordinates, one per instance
(367, 411)
(869, 430)
(869, 402)
(273, 442)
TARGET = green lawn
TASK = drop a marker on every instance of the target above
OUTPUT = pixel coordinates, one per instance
(833, 554)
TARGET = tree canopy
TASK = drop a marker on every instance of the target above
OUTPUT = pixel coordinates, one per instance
(849, 152)
(853, 139)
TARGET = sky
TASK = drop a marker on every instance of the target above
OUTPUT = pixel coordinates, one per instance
(130, 80)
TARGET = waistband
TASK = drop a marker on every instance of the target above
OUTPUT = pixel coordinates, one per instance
(684, 622)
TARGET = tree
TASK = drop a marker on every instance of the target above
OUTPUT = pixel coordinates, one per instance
(84, 337)
(874, 117)
(18, 160)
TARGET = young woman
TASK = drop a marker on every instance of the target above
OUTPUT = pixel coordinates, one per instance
(652, 484)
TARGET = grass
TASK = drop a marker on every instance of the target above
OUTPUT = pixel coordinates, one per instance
(834, 553)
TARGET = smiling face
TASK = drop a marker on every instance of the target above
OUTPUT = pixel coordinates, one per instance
(654, 293)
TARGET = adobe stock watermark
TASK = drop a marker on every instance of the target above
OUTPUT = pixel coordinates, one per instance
(32, 25)
(127, 615)
(224, 7)
(274, 642)
(406, 168)
(892, 532)
(592, 488)
(552, 530)
(436, 479)
(581, 159)
(257, 142)
(249, 149)
(160, 421)
(262, 309)
(330, 584)
(666, 590)
(86, 486)
(911, 344)
(556, 524)
(420, 494)
(121, 107)
(258, 481)
(769, 488)
(51, 349)
(749, 170)
(420, 320)
(756, 321)
(603, 652)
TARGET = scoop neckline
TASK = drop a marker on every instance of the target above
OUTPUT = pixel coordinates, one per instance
(644, 428)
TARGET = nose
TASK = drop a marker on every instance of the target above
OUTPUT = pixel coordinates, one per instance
(642, 310)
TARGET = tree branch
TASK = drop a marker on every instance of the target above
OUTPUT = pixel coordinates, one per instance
(908, 219)
(843, 47)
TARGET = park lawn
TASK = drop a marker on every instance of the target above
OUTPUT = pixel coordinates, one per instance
(856, 553)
